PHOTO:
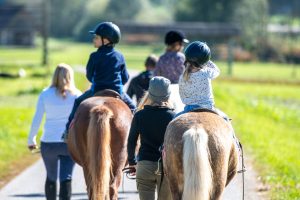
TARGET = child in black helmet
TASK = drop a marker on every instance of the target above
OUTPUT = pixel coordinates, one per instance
(171, 63)
(106, 68)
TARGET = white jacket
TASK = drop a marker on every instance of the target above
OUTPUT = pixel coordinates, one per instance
(57, 110)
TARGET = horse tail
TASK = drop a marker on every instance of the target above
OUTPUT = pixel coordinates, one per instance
(196, 165)
(99, 152)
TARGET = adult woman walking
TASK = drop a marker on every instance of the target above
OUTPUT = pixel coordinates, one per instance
(55, 102)
(150, 124)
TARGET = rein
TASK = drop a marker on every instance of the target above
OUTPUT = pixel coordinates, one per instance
(243, 170)
(128, 171)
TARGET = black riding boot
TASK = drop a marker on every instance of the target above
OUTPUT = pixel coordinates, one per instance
(65, 191)
(50, 189)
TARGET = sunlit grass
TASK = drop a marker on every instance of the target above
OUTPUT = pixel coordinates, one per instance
(267, 120)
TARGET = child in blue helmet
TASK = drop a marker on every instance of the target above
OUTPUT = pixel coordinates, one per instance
(106, 68)
(195, 88)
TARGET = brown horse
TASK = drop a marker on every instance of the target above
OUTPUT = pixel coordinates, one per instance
(97, 141)
(200, 156)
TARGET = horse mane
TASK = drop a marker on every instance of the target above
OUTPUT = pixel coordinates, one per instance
(98, 148)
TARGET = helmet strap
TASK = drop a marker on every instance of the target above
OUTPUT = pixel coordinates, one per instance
(108, 44)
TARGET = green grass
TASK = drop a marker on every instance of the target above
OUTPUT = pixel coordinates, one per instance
(70, 53)
(266, 117)
(263, 71)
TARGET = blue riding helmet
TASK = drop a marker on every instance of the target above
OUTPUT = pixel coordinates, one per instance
(197, 52)
(108, 30)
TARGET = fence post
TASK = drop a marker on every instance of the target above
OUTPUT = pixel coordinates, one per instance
(45, 31)
(230, 57)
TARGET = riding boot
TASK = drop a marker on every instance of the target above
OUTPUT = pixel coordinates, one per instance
(65, 191)
(50, 189)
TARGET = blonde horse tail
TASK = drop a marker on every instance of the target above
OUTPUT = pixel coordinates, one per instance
(196, 165)
(99, 152)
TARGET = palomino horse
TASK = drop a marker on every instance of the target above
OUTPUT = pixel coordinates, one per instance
(97, 141)
(200, 156)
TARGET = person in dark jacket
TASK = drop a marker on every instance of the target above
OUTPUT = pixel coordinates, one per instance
(139, 84)
(106, 68)
(150, 124)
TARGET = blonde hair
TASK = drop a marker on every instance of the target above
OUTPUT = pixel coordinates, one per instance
(187, 71)
(189, 67)
(63, 80)
(148, 101)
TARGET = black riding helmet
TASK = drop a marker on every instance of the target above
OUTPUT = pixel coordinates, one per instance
(197, 53)
(108, 30)
(175, 36)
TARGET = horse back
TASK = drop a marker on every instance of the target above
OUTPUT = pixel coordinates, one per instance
(120, 124)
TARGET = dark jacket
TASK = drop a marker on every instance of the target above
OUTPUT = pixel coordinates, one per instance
(150, 123)
(106, 69)
(139, 85)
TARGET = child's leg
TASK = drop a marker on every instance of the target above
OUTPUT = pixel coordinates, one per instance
(77, 102)
(128, 101)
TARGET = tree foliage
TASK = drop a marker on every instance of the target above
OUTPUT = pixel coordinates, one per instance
(206, 10)
(63, 21)
(252, 18)
(120, 10)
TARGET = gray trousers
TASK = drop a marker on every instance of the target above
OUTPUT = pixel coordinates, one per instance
(148, 181)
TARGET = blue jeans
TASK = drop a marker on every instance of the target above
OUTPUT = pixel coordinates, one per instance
(90, 93)
(56, 156)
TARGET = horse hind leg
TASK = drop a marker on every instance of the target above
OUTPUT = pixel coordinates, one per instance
(233, 164)
(113, 188)
(176, 190)
(224, 173)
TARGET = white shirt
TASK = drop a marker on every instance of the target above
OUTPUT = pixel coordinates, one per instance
(198, 89)
(57, 110)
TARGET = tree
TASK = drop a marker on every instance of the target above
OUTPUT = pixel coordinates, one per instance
(206, 10)
(252, 18)
(120, 10)
(65, 16)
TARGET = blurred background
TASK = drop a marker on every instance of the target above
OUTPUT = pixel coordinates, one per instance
(264, 30)
(255, 43)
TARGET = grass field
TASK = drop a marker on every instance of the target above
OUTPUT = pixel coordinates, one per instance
(266, 116)
(267, 120)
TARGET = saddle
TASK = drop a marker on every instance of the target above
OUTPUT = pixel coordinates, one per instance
(204, 110)
(211, 111)
(107, 93)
